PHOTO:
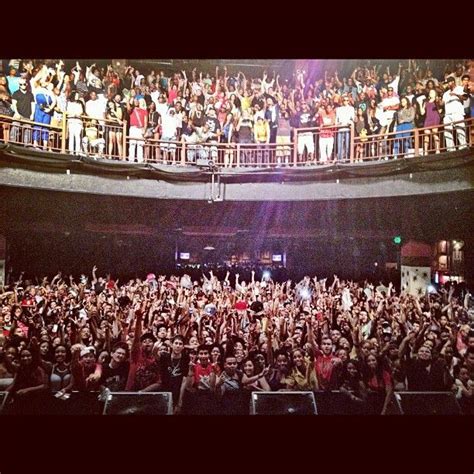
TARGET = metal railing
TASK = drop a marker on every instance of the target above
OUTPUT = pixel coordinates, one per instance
(107, 139)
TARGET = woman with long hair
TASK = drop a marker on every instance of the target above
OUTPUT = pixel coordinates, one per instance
(378, 379)
(405, 118)
(115, 117)
(302, 376)
(353, 386)
(61, 372)
(30, 382)
(8, 366)
(228, 133)
(431, 108)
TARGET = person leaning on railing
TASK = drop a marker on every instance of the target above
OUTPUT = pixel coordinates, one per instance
(453, 100)
(404, 117)
(74, 112)
(23, 107)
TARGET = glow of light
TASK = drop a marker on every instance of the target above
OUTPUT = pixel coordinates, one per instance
(266, 275)
(305, 294)
(431, 289)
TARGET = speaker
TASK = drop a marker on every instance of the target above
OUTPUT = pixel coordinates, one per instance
(427, 403)
(79, 403)
(205, 163)
(283, 403)
(132, 403)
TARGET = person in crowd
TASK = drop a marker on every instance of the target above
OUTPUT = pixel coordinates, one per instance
(138, 126)
(405, 118)
(74, 111)
(432, 112)
(453, 101)
(23, 107)
(115, 116)
(345, 116)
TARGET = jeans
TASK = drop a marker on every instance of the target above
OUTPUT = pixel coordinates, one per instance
(343, 144)
(403, 138)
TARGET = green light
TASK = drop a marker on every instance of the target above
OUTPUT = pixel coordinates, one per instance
(397, 240)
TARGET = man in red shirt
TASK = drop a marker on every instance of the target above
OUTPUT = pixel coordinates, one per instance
(144, 374)
(326, 364)
(138, 125)
(200, 385)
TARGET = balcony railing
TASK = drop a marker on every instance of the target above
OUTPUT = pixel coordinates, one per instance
(319, 146)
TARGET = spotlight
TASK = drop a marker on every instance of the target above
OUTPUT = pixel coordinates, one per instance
(431, 289)
(266, 275)
(305, 293)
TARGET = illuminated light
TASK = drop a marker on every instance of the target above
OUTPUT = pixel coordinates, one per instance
(431, 289)
(376, 264)
(209, 247)
(266, 275)
(397, 239)
(305, 293)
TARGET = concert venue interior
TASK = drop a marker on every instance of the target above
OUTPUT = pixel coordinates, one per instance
(136, 197)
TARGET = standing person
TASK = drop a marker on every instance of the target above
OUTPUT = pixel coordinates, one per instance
(272, 115)
(169, 133)
(352, 385)
(23, 107)
(229, 389)
(115, 372)
(360, 131)
(302, 376)
(8, 366)
(262, 138)
(283, 138)
(345, 116)
(379, 380)
(327, 119)
(227, 135)
(144, 373)
(45, 103)
(305, 119)
(114, 115)
(30, 382)
(200, 385)
(432, 119)
(138, 125)
(173, 369)
(405, 118)
(152, 131)
(74, 111)
(453, 100)
(61, 372)
(244, 131)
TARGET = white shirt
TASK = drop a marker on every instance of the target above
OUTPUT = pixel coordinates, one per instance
(95, 109)
(452, 104)
(345, 115)
(389, 102)
(162, 108)
(168, 125)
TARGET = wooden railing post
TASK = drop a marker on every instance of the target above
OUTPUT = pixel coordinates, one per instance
(295, 148)
(417, 142)
(237, 161)
(64, 131)
(124, 140)
(351, 146)
(183, 153)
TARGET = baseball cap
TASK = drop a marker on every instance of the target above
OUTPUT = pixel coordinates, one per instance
(87, 350)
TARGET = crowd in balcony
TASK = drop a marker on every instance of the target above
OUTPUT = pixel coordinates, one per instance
(213, 341)
(143, 116)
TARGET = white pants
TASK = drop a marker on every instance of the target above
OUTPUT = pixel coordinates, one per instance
(305, 140)
(326, 145)
(136, 132)
(460, 131)
(74, 136)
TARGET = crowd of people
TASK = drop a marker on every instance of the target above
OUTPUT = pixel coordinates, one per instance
(212, 342)
(162, 112)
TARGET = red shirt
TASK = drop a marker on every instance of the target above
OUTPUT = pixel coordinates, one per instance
(324, 366)
(380, 385)
(202, 376)
(137, 117)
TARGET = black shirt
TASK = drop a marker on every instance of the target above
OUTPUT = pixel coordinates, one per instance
(115, 379)
(213, 124)
(23, 103)
(172, 372)
(422, 380)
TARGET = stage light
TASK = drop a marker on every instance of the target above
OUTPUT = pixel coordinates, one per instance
(266, 275)
(431, 289)
(397, 239)
(305, 293)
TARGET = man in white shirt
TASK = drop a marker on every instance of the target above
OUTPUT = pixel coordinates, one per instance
(169, 127)
(453, 100)
(344, 118)
(95, 107)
